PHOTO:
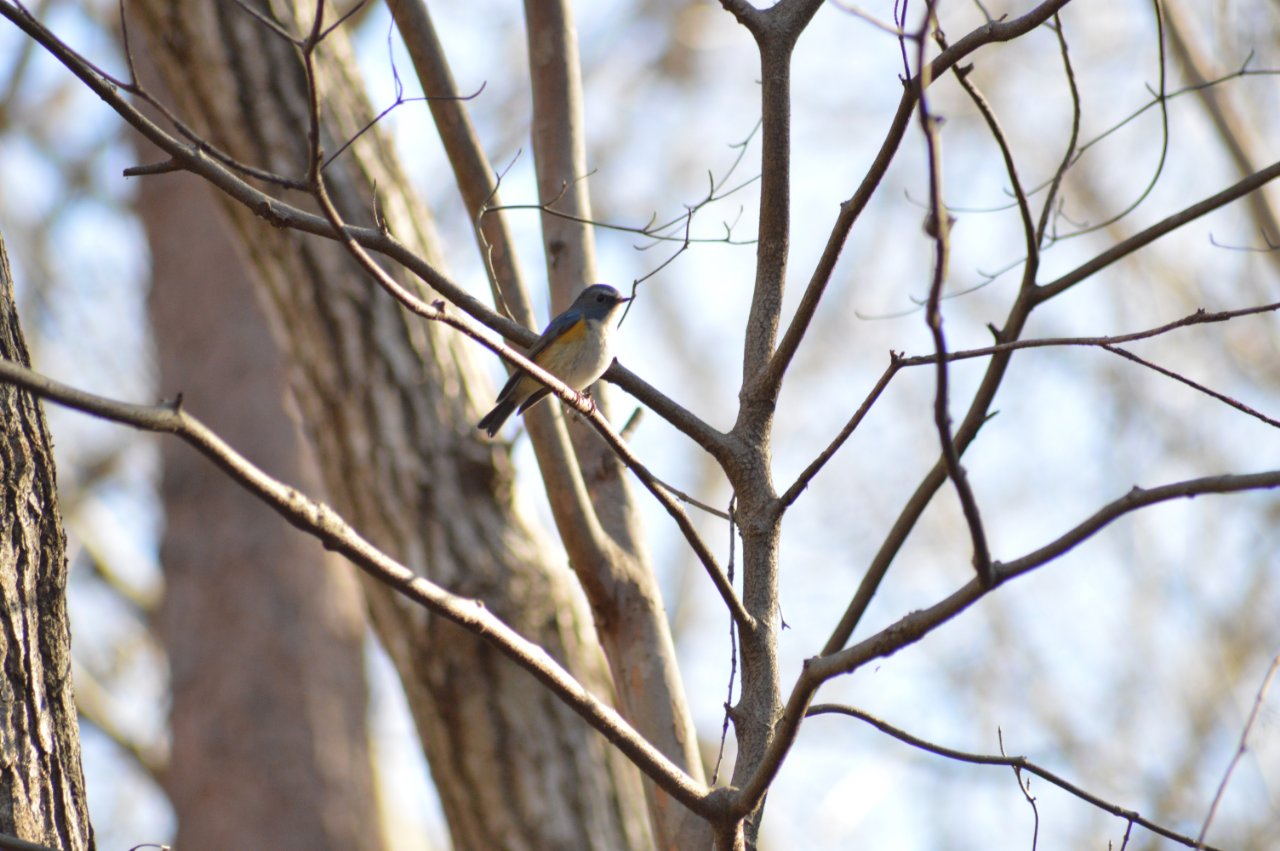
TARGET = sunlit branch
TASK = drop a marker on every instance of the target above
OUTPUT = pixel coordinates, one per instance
(325, 524)
(1018, 762)
(134, 87)
(474, 175)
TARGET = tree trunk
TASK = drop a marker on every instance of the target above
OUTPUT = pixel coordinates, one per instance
(388, 405)
(41, 785)
(264, 631)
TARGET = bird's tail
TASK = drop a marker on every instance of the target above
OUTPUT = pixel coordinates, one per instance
(494, 419)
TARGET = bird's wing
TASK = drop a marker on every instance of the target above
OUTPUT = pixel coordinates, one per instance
(561, 325)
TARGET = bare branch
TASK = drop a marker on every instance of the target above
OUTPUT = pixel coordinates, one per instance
(322, 522)
(1020, 763)
(993, 31)
(1111, 344)
(1148, 235)
(1221, 397)
(200, 159)
(1068, 156)
(912, 627)
(1025, 789)
(933, 312)
(472, 170)
(997, 133)
(1200, 317)
(652, 229)
(802, 481)
(1132, 501)
(1240, 750)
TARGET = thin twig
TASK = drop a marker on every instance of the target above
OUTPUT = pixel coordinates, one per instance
(733, 650)
(802, 481)
(933, 313)
(1208, 391)
(851, 209)
(1025, 789)
(1199, 317)
(1258, 700)
(912, 627)
(1135, 499)
(1016, 762)
(1110, 344)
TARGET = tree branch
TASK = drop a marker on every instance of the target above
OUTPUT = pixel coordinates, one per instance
(940, 219)
(802, 481)
(1240, 749)
(323, 523)
(1148, 235)
(195, 157)
(1018, 762)
(850, 210)
(912, 627)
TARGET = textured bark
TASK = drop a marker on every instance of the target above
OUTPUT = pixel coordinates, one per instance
(388, 406)
(263, 630)
(41, 785)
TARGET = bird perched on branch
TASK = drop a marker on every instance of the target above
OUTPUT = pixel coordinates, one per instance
(574, 347)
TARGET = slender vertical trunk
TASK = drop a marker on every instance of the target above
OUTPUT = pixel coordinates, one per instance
(41, 785)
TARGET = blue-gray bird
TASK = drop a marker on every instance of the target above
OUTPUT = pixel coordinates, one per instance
(574, 348)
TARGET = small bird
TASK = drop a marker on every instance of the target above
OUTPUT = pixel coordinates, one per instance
(574, 347)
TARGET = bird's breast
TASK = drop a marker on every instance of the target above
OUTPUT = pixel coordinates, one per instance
(588, 353)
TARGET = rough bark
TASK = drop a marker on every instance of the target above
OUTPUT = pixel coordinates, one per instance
(264, 632)
(41, 785)
(388, 406)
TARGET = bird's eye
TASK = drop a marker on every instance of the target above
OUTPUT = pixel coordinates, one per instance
(600, 297)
